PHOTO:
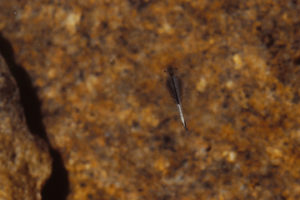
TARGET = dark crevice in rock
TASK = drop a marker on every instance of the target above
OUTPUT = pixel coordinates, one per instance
(57, 186)
(140, 4)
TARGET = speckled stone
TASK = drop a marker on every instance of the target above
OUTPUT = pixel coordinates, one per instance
(98, 67)
(25, 163)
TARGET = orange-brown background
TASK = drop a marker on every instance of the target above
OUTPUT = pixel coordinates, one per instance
(98, 67)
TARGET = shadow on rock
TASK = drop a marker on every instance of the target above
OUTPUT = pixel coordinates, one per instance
(57, 186)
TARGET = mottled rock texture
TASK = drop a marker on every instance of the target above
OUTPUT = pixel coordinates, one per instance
(98, 67)
(25, 163)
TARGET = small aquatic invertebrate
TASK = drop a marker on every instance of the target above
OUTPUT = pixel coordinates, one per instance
(174, 87)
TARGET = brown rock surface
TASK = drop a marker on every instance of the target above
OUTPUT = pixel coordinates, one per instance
(98, 67)
(25, 163)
